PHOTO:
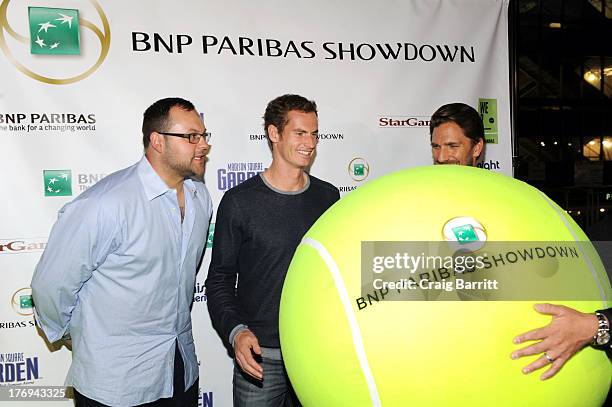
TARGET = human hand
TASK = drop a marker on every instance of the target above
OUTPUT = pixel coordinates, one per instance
(567, 333)
(67, 340)
(245, 345)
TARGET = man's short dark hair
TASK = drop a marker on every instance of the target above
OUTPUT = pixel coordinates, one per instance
(156, 118)
(277, 110)
(462, 115)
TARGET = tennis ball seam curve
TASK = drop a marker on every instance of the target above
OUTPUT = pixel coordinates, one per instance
(584, 255)
(350, 315)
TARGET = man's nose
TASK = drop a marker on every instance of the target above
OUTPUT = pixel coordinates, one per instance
(203, 143)
(443, 155)
(312, 141)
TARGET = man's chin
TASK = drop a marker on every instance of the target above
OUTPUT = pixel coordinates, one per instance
(194, 173)
(302, 165)
(198, 169)
(198, 174)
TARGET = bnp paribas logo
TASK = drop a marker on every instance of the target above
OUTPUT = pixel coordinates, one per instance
(21, 301)
(359, 169)
(466, 232)
(54, 31)
(211, 235)
(51, 43)
(58, 182)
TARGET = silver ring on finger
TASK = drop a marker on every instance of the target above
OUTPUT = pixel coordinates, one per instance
(550, 360)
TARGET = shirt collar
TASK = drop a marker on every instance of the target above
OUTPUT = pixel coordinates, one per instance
(190, 185)
(153, 185)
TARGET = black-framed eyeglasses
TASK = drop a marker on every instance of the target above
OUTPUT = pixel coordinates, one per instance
(194, 138)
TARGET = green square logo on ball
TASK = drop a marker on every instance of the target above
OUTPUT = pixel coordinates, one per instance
(54, 31)
(58, 182)
(465, 233)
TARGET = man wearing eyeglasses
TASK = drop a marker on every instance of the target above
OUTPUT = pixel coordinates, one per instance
(118, 274)
(259, 225)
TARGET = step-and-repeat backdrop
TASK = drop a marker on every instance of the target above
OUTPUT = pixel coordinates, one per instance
(76, 77)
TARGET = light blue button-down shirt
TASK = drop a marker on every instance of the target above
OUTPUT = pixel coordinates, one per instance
(118, 275)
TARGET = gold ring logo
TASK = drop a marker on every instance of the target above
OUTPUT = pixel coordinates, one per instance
(21, 301)
(104, 39)
(358, 169)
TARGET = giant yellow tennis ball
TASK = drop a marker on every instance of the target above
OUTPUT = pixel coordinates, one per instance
(346, 345)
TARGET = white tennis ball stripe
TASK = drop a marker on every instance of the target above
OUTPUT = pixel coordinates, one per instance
(588, 259)
(350, 315)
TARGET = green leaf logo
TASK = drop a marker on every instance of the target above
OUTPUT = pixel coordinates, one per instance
(211, 234)
(54, 31)
(465, 233)
(58, 182)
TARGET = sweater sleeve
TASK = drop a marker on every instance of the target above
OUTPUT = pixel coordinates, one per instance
(223, 306)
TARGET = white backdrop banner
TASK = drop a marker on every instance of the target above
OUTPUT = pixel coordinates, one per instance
(77, 75)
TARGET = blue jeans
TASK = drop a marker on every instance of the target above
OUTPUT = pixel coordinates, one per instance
(273, 391)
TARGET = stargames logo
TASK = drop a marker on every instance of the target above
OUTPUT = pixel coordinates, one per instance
(21, 301)
(409, 121)
(58, 182)
(53, 33)
(358, 169)
(22, 245)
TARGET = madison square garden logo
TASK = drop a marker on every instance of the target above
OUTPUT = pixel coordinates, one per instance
(235, 173)
(358, 169)
(50, 34)
(18, 368)
(58, 182)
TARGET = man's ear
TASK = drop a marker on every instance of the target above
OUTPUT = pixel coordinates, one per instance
(157, 142)
(273, 133)
(478, 148)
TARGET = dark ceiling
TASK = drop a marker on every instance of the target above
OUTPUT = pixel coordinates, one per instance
(563, 101)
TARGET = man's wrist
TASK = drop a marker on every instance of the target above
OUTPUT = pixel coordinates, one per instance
(601, 338)
(234, 333)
